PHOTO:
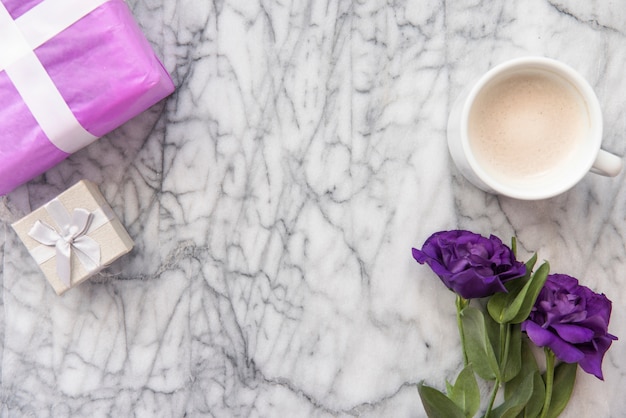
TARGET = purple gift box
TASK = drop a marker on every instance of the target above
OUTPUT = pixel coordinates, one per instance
(70, 72)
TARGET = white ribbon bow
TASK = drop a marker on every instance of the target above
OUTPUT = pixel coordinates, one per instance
(71, 235)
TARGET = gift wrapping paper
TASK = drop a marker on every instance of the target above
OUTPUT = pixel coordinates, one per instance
(70, 72)
(44, 232)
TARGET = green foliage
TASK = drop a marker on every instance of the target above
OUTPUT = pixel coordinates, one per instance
(496, 350)
(465, 392)
(529, 367)
(515, 306)
(478, 346)
(438, 405)
(463, 399)
(506, 342)
(513, 362)
(515, 404)
(564, 379)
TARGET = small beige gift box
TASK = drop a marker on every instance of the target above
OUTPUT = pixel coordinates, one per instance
(74, 236)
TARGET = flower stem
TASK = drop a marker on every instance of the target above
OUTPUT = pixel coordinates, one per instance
(504, 334)
(505, 345)
(460, 305)
(492, 398)
(550, 357)
(505, 342)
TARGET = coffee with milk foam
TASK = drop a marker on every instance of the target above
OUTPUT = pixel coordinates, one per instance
(525, 126)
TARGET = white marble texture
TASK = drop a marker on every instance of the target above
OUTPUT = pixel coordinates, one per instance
(274, 200)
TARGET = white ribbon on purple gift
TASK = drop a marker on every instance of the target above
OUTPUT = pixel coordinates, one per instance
(18, 40)
(69, 237)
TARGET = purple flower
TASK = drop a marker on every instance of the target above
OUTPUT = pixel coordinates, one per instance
(470, 264)
(572, 321)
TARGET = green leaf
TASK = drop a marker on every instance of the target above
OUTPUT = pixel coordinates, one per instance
(438, 405)
(535, 403)
(499, 305)
(530, 264)
(515, 404)
(493, 333)
(564, 379)
(529, 362)
(478, 346)
(515, 306)
(534, 286)
(528, 367)
(449, 388)
(514, 357)
(465, 393)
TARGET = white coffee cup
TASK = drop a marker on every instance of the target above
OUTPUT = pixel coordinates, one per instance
(530, 128)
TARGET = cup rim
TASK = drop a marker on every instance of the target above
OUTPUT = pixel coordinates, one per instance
(594, 140)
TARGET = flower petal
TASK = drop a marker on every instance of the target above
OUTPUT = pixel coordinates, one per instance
(420, 256)
(471, 265)
(573, 333)
(544, 338)
(592, 362)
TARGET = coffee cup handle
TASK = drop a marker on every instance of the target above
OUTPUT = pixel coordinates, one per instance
(607, 164)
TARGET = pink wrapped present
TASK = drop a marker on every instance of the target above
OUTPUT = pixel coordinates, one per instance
(70, 72)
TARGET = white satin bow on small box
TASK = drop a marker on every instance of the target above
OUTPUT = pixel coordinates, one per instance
(69, 238)
(73, 236)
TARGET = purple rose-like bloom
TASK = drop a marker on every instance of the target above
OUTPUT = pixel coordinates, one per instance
(469, 264)
(572, 321)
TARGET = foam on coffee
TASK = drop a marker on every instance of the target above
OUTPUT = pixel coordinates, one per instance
(525, 126)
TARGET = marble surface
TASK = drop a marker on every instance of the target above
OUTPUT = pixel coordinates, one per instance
(274, 200)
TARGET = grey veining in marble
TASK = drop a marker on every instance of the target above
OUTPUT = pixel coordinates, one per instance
(274, 200)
